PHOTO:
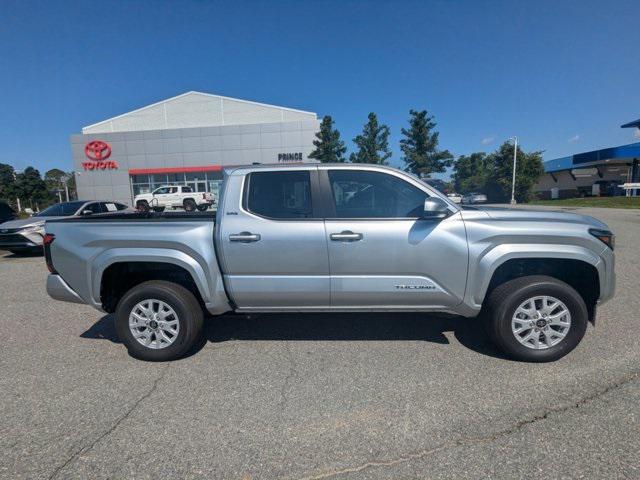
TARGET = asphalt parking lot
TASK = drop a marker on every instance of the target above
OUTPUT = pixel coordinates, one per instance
(316, 396)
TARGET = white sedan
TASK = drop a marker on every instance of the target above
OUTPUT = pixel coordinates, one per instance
(473, 198)
(455, 197)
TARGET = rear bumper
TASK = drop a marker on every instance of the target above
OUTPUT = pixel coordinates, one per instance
(58, 289)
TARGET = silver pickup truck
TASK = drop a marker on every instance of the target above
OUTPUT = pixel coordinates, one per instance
(336, 238)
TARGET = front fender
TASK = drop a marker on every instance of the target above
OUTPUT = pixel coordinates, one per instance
(482, 270)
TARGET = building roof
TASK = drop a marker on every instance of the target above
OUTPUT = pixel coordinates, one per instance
(596, 157)
(196, 109)
(635, 123)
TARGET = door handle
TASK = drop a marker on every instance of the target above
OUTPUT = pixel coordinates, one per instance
(346, 236)
(244, 237)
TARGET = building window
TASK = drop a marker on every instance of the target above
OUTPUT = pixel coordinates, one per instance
(197, 181)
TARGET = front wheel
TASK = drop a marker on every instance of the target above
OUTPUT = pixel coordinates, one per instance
(203, 207)
(158, 320)
(189, 205)
(536, 318)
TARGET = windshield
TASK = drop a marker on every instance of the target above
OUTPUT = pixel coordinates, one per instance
(60, 209)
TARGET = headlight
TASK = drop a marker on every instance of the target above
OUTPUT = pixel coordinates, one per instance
(605, 236)
(36, 228)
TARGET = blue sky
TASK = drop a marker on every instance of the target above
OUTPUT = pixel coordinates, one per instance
(562, 75)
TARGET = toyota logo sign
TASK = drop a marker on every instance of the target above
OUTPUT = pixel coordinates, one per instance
(98, 151)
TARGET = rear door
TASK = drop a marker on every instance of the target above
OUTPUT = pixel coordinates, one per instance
(382, 254)
(274, 247)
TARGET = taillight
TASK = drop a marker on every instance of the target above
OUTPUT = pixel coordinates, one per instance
(47, 240)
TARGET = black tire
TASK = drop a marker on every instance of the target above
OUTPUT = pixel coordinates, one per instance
(181, 300)
(505, 299)
(158, 209)
(189, 205)
(142, 206)
(203, 207)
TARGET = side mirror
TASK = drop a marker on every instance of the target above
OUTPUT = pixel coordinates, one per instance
(435, 207)
(86, 212)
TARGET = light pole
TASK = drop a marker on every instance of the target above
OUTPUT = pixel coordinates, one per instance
(513, 179)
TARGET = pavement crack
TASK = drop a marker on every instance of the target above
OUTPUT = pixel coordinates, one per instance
(418, 454)
(113, 427)
(285, 384)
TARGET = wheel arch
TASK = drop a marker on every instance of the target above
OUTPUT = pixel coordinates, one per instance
(118, 270)
(579, 267)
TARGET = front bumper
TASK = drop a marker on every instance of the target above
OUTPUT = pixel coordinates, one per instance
(608, 283)
(58, 289)
(20, 241)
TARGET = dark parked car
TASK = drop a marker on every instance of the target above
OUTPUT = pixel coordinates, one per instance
(6, 213)
(26, 235)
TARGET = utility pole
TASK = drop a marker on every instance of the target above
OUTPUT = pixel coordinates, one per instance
(65, 179)
(513, 179)
(15, 179)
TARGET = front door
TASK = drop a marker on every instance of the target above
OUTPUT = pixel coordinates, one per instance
(274, 248)
(381, 252)
(161, 196)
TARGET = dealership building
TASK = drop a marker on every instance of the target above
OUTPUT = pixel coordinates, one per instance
(185, 140)
(594, 173)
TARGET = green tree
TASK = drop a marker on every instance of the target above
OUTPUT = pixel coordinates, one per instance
(499, 166)
(420, 146)
(469, 173)
(32, 188)
(56, 180)
(373, 143)
(329, 147)
(8, 183)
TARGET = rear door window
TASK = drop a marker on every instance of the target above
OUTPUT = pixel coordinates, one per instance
(94, 207)
(279, 195)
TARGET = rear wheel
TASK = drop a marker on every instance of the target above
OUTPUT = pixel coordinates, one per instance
(536, 318)
(142, 206)
(189, 205)
(158, 320)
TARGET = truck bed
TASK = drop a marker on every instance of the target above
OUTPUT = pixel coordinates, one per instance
(142, 216)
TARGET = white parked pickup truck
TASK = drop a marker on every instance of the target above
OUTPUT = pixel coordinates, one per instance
(174, 196)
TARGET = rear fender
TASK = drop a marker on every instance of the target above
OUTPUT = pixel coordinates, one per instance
(203, 280)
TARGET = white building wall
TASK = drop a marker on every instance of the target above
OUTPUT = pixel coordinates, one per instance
(195, 109)
(186, 147)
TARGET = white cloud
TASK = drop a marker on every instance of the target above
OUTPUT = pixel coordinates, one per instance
(488, 140)
(573, 139)
(636, 133)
